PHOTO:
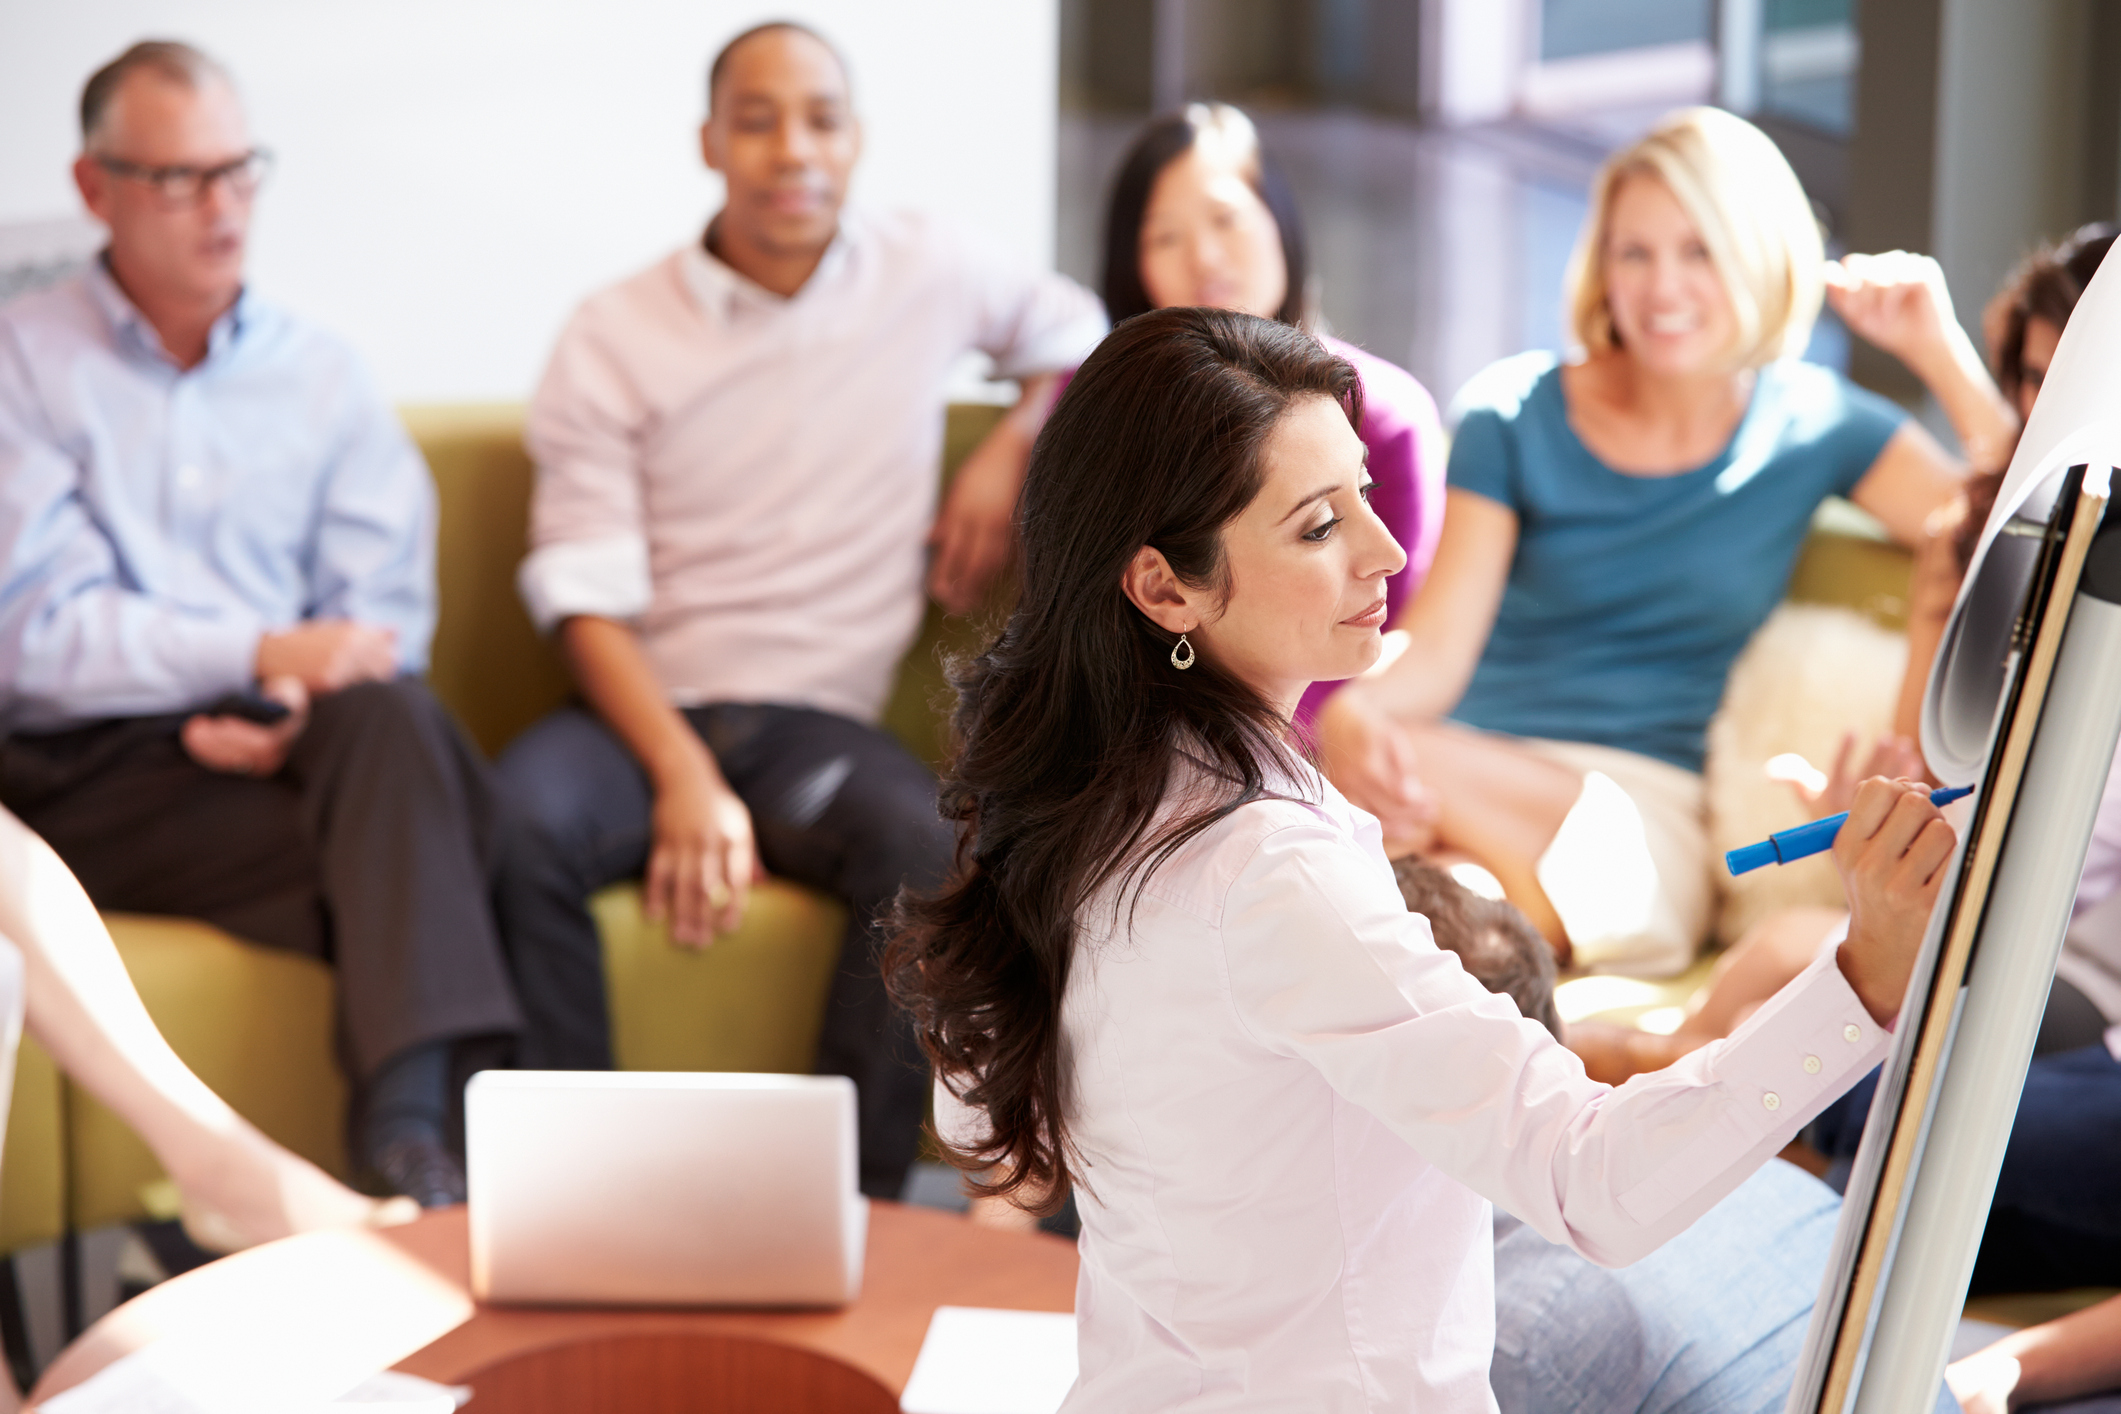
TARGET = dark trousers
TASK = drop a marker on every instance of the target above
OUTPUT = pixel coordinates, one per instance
(2055, 1221)
(836, 805)
(383, 846)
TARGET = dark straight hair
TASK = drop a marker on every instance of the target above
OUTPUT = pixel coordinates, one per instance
(1071, 724)
(1163, 141)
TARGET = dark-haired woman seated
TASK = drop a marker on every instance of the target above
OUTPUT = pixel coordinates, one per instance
(1173, 971)
(1200, 216)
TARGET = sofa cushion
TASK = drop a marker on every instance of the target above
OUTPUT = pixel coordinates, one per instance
(753, 1001)
(33, 1179)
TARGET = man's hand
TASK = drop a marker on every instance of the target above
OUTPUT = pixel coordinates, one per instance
(328, 654)
(703, 862)
(240, 748)
(975, 531)
(1370, 759)
(1892, 855)
(1824, 793)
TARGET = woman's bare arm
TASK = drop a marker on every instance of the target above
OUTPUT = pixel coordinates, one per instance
(1931, 591)
(1900, 302)
(2078, 1354)
(1912, 479)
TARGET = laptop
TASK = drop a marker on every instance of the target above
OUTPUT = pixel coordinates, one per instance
(642, 1188)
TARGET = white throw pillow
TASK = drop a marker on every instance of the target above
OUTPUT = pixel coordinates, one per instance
(1812, 672)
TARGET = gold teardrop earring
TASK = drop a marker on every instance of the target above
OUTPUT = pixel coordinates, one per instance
(1186, 648)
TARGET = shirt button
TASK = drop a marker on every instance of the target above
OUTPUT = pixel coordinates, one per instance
(1852, 1033)
(1811, 1065)
(1771, 1101)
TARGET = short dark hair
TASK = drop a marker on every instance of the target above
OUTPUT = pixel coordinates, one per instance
(1163, 141)
(1498, 946)
(171, 58)
(720, 66)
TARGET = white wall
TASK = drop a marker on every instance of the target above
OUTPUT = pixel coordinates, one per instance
(455, 174)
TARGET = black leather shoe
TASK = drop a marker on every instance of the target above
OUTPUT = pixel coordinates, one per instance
(422, 1169)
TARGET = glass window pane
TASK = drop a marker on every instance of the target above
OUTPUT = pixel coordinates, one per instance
(1808, 62)
(1569, 29)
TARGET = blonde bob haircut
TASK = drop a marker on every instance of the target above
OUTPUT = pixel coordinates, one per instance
(1752, 214)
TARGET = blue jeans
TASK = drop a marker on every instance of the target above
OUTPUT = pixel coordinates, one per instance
(1710, 1323)
(835, 804)
(2056, 1219)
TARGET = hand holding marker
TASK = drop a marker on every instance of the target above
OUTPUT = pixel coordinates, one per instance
(1803, 841)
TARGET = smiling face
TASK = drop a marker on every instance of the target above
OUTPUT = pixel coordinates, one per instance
(1670, 309)
(1305, 566)
(164, 253)
(1207, 238)
(783, 135)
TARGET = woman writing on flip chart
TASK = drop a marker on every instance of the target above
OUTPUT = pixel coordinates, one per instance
(1173, 970)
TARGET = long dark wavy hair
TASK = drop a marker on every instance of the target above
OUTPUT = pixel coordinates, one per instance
(1162, 141)
(1069, 726)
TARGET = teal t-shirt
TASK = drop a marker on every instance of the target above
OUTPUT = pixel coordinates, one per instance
(1629, 596)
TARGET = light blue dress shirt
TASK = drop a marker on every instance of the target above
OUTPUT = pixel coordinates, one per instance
(155, 522)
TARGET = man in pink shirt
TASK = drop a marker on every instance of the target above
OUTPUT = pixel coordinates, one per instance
(734, 521)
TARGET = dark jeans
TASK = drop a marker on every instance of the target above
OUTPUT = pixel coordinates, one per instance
(383, 847)
(2056, 1218)
(836, 805)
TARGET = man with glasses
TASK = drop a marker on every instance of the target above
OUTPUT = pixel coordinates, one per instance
(216, 586)
(737, 454)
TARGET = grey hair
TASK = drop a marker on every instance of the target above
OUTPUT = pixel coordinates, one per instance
(172, 59)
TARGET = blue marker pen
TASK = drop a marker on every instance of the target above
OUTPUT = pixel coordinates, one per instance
(1803, 841)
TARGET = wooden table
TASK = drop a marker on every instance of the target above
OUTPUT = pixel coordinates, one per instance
(522, 1360)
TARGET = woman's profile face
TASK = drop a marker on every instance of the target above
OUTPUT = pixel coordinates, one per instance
(1207, 239)
(1307, 563)
(1669, 306)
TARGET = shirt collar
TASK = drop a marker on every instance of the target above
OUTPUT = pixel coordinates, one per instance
(127, 321)
(723, 294)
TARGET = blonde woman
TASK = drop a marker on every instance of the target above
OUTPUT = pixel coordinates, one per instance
(1618, 524)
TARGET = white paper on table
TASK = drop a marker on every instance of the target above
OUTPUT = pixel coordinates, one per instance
(393, 1393)
(290, 1326)
(137, 1384)
(981, 1361)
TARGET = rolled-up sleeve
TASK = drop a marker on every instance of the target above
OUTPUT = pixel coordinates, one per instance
(588, 538)
(76, 640)
(1325, 964)
(1029, 321)
(375, 559)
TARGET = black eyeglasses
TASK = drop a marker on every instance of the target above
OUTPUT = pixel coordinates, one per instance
(187, 186)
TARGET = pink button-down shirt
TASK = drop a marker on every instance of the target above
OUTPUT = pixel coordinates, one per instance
(1293, 1111)
(749, 480)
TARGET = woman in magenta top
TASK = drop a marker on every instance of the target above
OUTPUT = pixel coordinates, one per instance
(1199, 217)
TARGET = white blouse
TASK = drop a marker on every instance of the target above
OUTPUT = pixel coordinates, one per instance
(1293, 1111)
